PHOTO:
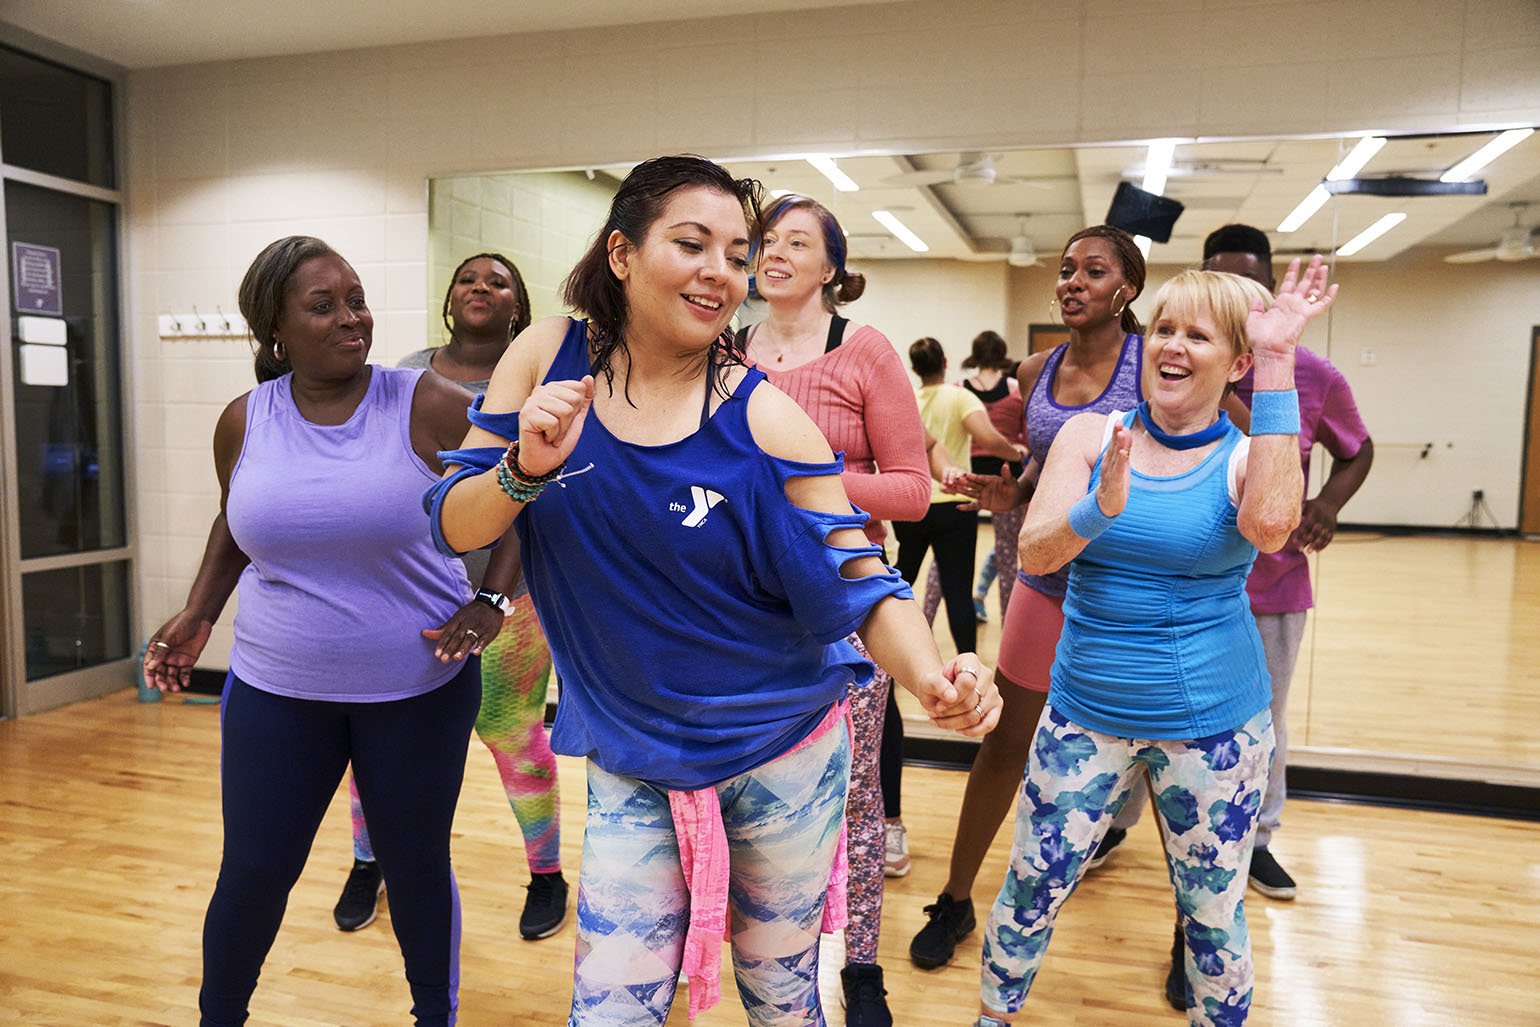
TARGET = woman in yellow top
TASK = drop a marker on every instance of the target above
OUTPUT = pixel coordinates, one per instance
(957, 420)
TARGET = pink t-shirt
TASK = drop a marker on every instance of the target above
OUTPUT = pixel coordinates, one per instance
(1280, 582)
(860, 397)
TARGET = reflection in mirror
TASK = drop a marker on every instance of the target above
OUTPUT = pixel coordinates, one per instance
(1420, 655)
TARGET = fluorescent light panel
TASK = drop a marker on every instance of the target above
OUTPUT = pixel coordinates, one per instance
(1157, 164)
(1357, 157)
(900, 230)
(1143, 242)
(1306, 209)
(1373, 232)
(1347, 167)
(776, 194)
(1494, 149)
(843, 182)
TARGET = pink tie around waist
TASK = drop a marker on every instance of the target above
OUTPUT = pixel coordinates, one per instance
(704, 857)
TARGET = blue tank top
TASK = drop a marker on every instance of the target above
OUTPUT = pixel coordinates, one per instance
(696, 617)
(343, 574)
(1158, 638)
(1045, 417)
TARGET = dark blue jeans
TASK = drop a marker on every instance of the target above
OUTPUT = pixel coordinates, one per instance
(280, 765)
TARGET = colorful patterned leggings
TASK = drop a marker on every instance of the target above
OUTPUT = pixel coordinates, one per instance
(866, 837)
(1207, 792)
(783, 826)
(515, 670)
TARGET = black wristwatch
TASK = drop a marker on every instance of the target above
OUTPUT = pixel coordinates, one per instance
(500, 602)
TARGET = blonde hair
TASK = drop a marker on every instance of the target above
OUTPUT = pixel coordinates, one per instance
(1224, 297)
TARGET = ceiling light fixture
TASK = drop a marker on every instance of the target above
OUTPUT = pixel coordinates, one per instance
(901, 230)
(1157, 165)
(776, 194)
(830, 170)
(1347, 167)
(1373, 232)
(1494, 149)
(1357, 157)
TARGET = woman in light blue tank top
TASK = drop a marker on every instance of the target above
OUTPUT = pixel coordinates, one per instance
(355, 641)
(1159, 512)
(697, 567)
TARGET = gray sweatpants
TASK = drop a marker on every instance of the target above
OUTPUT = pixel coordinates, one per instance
(1281, 635)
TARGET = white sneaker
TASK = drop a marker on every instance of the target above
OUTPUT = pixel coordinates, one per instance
(895, 862)
(831, 960)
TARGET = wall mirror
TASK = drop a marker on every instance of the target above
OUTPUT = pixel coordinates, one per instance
(1422, 655)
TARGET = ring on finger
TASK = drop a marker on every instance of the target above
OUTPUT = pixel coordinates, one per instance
(978, 710)
(157, 643)
(471, 632)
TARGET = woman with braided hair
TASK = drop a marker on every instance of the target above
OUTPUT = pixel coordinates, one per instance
(485, 306)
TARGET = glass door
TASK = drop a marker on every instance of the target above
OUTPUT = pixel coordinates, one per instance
(67, 545)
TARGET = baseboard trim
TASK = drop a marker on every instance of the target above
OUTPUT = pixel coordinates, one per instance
(1328, 784)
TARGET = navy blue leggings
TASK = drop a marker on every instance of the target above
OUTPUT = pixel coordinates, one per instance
(281, 762)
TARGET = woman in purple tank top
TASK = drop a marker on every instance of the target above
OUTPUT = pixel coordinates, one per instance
(356, 640)
(1101, 273)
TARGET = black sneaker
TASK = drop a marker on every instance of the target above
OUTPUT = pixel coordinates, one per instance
(1109, 845)
(1176, 978)
(866, 1003)
(950, 922)
(545, 907)
(360, 896)
(1269, 878)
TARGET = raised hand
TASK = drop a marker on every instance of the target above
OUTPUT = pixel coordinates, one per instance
(1112, 490)
(550, 423)
(1273, 332)
(173, 650)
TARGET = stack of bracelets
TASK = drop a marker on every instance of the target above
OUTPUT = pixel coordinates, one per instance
(519, 484)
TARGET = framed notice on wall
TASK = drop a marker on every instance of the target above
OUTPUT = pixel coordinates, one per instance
(35, 279)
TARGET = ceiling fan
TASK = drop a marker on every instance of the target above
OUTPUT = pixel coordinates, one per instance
(1023, 253)
(973, 168)
(1517, 243)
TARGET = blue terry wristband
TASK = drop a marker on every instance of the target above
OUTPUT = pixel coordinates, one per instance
(1086, 518)
(1275, 413)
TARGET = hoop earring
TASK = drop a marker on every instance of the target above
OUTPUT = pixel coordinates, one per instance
(278, 352)
(1118, 313)
(1053, 312)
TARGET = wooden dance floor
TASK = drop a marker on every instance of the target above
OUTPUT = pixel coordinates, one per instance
(110, 832)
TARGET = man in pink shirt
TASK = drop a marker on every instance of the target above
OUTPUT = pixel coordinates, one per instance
(1279, 585)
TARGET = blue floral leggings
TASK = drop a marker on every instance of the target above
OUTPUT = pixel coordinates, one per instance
(1207, 792)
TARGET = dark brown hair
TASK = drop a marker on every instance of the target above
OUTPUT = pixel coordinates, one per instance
(988, 352)
(927, 357)
(521, 314)
(592, 287)
(262, 293)
(1131, 260)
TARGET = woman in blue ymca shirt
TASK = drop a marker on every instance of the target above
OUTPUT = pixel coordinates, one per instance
(696, 566)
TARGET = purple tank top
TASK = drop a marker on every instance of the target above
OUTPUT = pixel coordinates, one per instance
(1045, 417)
(343, 574)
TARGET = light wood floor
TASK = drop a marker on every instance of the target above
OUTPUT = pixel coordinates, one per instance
(109, 840)
(1419, 646)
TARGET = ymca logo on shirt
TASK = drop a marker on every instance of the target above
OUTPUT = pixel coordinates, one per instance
(704, 499)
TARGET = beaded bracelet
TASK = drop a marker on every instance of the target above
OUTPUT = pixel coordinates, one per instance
(518, 484)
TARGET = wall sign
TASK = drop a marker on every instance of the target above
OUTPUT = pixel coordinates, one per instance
(35, 279)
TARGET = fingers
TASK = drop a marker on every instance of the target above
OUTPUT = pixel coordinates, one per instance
(1291, 277)
(976, 710)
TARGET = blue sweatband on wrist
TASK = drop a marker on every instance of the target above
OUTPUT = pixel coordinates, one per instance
(1275, 413)
(1086, 518)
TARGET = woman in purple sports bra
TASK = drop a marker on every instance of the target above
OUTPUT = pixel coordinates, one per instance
(1101, 273)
